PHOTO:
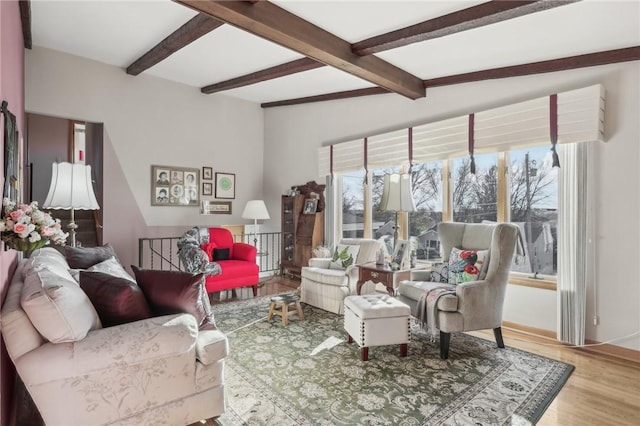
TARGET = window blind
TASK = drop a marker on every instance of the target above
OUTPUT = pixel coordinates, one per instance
(348, 156)
(580, 119)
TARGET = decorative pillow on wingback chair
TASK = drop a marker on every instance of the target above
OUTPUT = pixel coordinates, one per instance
(466, 265)
(344, 256)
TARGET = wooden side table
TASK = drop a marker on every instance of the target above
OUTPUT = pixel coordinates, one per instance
(381, 274)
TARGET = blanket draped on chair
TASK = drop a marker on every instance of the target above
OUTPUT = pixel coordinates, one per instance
(427, 307)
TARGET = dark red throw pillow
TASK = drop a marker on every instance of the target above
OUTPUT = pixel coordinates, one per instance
(117, 300)
(174, 292)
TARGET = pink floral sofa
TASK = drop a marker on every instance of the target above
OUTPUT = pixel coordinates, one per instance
(164, 369)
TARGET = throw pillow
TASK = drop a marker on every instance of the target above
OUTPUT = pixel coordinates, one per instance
(117, 300)
(344, 256)
(208, 248)
(220, 254)
(440, 272)
(174, 292)
(86, 257)
(57, 307)
(466, 265)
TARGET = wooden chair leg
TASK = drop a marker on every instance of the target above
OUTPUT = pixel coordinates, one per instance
(364, 353)
(497, 332)
(255, 290)
(445, 339)
(403, 350)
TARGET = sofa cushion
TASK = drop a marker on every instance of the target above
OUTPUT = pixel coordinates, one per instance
(173, 292)
(325, 276)
(58, 307)
(439, 272)
(344, 256)
(466, 265)
(236, 269)
(117, 300)
(48, 258)
(86, 257)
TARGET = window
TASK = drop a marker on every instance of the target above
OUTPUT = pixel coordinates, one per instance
(426, 181)
(353, 204)
(526, 196)
(533, 207)
(475, 197)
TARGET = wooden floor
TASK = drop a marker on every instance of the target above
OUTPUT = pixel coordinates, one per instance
(601, 391)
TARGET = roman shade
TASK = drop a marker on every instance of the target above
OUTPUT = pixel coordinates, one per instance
(580, 118)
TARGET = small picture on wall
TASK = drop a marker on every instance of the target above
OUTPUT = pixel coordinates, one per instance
(207, 188)
(162, 179)
(207, 173)
(225, 185)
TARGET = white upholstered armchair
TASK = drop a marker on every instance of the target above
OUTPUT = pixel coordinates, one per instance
(326, 288)
(476, 304)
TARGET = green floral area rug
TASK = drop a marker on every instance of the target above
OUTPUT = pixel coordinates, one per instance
(272, 378)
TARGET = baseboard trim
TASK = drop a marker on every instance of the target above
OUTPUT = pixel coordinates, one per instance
(602, 348)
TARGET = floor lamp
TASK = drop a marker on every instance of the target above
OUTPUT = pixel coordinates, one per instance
(397, 197)
(71, 189)
(255, 209)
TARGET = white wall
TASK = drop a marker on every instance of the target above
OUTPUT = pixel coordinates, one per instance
(293, 134)
(149, 121)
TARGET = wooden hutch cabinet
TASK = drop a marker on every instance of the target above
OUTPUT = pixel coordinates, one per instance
(301, 232)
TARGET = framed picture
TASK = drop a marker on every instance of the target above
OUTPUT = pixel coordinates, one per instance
(310, 206)
(400, 253)
(174, 186)
(226, 185)
(207, 188)
(207, 173)
(215, 207)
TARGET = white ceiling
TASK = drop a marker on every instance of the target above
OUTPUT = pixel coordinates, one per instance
(119, 32)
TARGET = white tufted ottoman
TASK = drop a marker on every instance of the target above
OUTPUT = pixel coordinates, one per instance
(377, 320)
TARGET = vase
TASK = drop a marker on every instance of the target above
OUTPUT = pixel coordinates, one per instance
(25, 246)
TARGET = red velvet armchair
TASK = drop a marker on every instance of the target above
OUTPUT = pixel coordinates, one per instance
(227, 264)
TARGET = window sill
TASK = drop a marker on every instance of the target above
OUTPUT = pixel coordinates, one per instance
(546, 283)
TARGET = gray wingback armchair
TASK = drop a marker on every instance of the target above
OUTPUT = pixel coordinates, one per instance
(476, 305)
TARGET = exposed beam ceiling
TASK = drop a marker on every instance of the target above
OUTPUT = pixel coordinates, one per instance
(25, 17)
(299, 65)
(560, 64)
(195, 28)
(273, 23)
(462, 20)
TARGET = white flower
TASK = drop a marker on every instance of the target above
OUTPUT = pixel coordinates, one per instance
(34, 236)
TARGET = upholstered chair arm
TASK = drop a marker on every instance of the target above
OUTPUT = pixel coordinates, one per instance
(113, 371)
(320, 262)
(244, 251)
(480, 304)
(420, 275)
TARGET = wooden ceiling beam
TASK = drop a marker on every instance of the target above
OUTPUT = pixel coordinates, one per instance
(299, 65)
(327, 97)
(25, 18)
(553, 65)
(461, 20)
(195, 28)
(279, 26)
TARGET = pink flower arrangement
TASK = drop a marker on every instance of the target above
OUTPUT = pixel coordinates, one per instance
(25, 223)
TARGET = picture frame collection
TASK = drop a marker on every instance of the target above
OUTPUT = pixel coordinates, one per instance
(183, 187)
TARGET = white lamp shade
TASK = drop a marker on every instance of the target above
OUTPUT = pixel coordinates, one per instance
(71, 188)
(396, 195)
(255, 209)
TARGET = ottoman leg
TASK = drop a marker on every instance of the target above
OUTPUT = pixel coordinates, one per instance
(403, 350)
(285, 314)
(349, 338)
(271, 309)
(364, 353)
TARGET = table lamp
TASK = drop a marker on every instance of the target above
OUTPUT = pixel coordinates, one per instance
(71, 189)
